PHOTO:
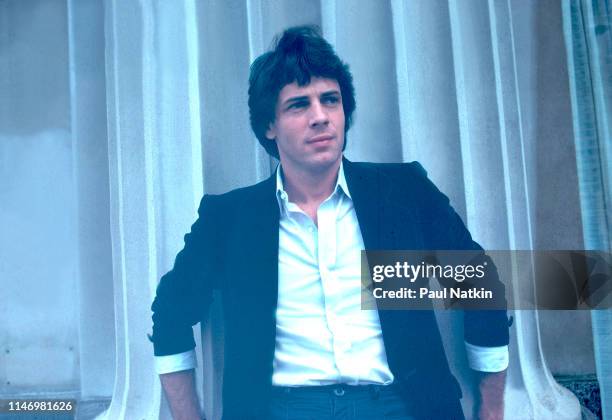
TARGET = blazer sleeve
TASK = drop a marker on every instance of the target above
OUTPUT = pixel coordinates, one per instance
(184, 294)
(446, 231)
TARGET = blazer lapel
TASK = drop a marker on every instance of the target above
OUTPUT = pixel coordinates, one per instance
(364, 187)
(386, 212)
(262, 240)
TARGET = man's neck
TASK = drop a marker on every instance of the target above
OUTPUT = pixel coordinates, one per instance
(309, 188)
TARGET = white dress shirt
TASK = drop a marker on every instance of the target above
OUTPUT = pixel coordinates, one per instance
(322, 334)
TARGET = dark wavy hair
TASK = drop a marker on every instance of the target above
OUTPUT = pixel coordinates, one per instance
(297, 55)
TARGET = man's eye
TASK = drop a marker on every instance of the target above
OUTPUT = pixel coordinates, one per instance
(331, 100)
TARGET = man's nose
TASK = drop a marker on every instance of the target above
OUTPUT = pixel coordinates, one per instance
(318, 114)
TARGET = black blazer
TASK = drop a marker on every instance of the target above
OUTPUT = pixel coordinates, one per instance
(233, 246)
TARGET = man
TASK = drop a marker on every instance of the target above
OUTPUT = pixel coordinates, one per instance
(285, 254)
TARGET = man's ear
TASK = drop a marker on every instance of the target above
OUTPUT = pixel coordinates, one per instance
(271, 132)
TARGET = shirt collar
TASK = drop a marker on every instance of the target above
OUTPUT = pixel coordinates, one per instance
(283, 198)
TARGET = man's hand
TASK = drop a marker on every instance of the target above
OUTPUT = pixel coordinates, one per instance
(181, 394)
(490, 396)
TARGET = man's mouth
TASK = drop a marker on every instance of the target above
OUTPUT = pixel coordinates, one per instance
(321, 138)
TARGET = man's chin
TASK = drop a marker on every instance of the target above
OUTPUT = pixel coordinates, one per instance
(317, 162)
(325, 161)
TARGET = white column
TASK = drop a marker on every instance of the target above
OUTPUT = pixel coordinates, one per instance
(233, 157)
(600, 49)
(460, 115)
(589, 58)
(155, 176)
(555, 401)
(363, 35)
(426, 93)
(90, 156)
(491, 132)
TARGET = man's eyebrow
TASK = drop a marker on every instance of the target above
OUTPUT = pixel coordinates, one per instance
(331, 93)
(293, 99)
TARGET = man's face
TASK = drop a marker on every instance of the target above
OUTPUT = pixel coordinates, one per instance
(309, 125)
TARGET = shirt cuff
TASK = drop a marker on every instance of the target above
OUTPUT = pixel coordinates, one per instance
(175, 362)
(487, 359)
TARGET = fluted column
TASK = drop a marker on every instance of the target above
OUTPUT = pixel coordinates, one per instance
(589, 58)
(155, 176)
(461, 116)
(90, 160)
(362, 35)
